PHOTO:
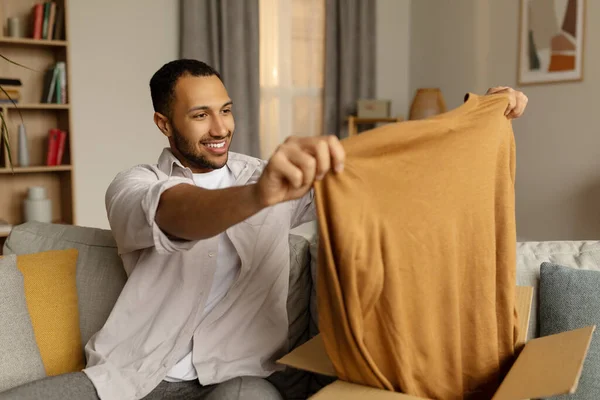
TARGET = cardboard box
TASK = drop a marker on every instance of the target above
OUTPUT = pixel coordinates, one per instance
(547, 366)
(373, 108)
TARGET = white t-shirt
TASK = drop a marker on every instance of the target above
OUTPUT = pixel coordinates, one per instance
(228, 265)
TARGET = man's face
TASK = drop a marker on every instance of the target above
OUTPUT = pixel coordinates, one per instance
(201, 123)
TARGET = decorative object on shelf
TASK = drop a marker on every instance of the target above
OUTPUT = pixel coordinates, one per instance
(551, 41)
(5, 227)
(11, 90)
(16, 27)
(427, 103)
(23, 149)
(373, 108)
(37, 207)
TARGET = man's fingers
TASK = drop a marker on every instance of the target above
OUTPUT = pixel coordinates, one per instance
(338, 155)
(323, 159)
(517, 111)
(516, 100)
(521, 104)
(497, 89)
(512, 101)
(282, 166)
(302, 160)
(328, 152)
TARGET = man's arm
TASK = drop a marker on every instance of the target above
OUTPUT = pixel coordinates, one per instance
(132, 199)
(192, 213)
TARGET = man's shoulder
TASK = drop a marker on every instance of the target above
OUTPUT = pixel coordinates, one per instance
(139, 171)
(238, 161)
(239, 157)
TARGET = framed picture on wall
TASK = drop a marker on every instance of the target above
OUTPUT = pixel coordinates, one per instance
(551, 41)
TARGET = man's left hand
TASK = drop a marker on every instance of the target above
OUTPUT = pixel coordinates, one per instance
(517, 101)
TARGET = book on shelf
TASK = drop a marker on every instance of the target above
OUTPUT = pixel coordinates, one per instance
(55, 84)
(47, 20)
(5, 227)
(57, 140)
(11, 89)
(37, 20)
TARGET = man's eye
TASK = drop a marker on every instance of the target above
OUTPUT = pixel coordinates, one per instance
(203, 115)
(227, 111)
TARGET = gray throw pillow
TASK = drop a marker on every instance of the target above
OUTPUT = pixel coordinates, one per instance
(20, 360)
(570, 299)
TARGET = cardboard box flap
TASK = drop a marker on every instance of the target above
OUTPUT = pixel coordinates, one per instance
(349, 391)
(523, 299)
(310, 356)
(547, 366)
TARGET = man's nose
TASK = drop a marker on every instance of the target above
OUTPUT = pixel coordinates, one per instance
(219, 129)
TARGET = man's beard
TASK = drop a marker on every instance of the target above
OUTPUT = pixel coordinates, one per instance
(188, 150)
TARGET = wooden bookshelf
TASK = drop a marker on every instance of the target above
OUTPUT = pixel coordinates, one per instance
(38, 118)
(35, 169)
(32, 42)
(37, 106)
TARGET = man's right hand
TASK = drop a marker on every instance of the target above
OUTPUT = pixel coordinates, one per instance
(295, 166)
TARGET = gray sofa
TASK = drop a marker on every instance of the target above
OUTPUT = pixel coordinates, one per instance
(100, 278)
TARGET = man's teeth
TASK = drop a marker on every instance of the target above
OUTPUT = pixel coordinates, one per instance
(215, 145)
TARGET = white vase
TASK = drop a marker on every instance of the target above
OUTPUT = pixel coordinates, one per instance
(23, 149)
(37, 206)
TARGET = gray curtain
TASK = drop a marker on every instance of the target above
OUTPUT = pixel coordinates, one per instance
(225, 35)
(349, 60)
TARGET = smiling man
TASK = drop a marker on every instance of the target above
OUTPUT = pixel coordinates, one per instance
(203, 313)
(203, 235)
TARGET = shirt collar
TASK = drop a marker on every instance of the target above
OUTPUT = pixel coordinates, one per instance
(170, 165)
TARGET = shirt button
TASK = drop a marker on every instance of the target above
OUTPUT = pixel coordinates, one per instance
(211, 254)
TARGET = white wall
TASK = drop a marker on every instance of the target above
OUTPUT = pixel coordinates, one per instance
(392, 53)
(116, 46)
(558, 140)
(470, 45)
(444, 48)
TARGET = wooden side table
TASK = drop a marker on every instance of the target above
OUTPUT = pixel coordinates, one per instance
(354, 121)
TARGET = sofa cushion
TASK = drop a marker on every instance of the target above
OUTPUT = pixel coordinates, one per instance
(20, 359)
(570, 299)
(531, 255)
(101, 277)
(100, 273)
(51, 295)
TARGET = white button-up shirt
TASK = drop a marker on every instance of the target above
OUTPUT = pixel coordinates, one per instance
(160, 308)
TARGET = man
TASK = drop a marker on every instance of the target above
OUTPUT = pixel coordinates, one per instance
(203, 235)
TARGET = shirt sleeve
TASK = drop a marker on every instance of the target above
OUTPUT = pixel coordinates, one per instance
(303, 210)
(131, 203)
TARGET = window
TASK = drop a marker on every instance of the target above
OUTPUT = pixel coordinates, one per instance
(292, 59)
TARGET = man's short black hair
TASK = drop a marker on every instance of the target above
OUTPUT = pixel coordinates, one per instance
(162, 84)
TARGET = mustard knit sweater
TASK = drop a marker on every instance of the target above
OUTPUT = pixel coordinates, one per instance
(416, 277)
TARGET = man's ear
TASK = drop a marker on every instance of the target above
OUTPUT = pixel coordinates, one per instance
(162, 123)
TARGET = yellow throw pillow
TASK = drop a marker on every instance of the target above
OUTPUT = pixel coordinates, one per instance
(51, 295)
